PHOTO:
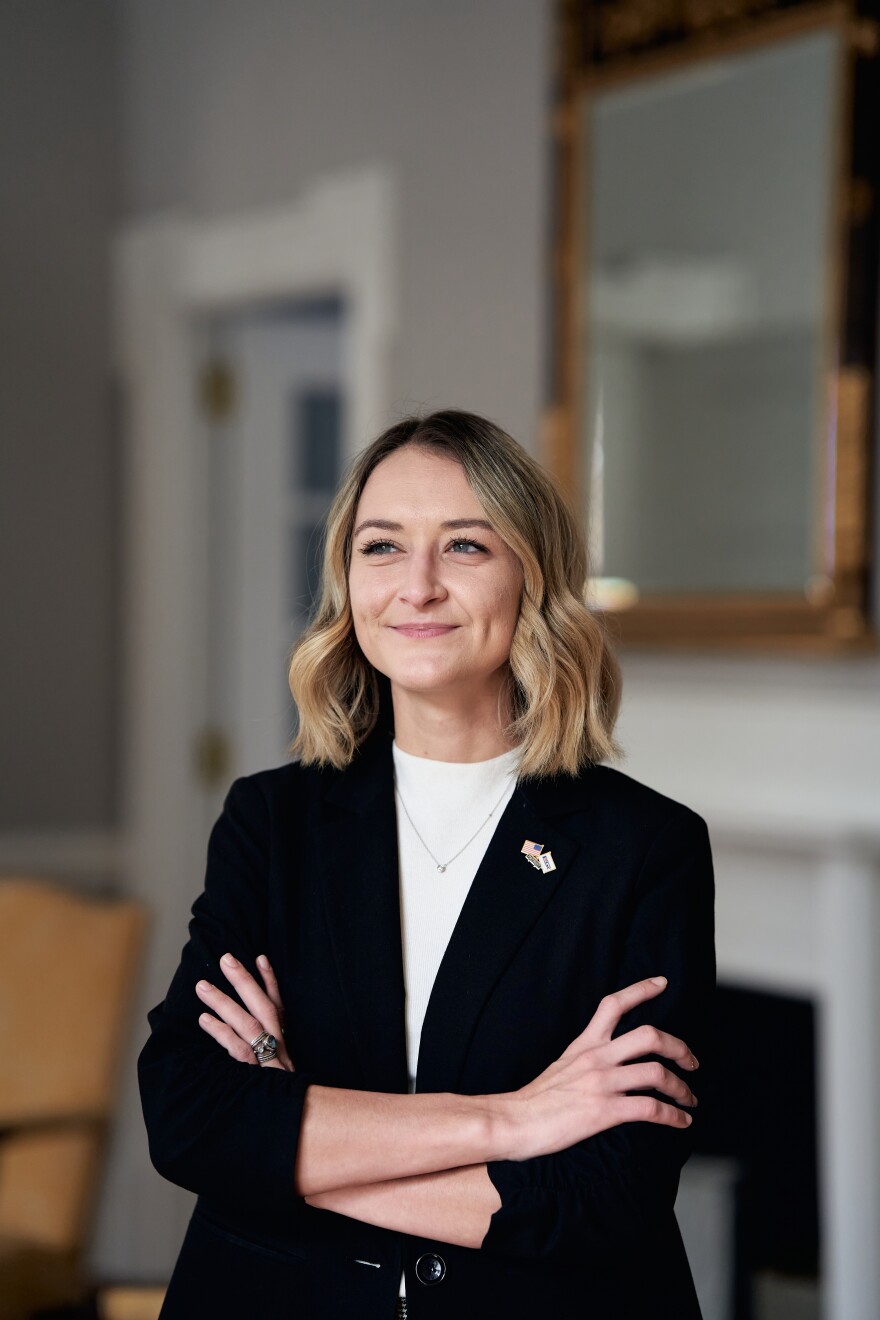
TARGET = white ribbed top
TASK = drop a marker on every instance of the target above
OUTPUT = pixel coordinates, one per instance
(449, 801)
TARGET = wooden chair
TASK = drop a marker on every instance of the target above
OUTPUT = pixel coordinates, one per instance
(67, 969)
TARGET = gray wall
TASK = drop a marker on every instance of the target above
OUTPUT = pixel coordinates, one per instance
(237, 104)
(58, 532)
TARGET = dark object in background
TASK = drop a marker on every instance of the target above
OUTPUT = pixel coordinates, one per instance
(758, 1105)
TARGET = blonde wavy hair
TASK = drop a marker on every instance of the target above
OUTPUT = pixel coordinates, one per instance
(563, 693)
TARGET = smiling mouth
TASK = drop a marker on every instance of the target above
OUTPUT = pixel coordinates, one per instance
(424, 629)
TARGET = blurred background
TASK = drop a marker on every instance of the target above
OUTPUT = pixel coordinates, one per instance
(240, 237)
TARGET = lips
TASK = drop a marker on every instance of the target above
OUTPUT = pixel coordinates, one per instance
(424, 630)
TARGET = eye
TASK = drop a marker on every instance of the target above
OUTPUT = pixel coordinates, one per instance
(464, 545)
(377, 547)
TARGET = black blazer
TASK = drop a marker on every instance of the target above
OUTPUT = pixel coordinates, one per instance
(302, 865)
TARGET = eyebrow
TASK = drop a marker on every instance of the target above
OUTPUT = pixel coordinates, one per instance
(451, 524)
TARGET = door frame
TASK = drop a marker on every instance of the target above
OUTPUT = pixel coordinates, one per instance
(169, 270)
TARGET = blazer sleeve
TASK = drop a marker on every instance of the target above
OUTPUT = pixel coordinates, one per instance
(218, 1127)
(612, 1189)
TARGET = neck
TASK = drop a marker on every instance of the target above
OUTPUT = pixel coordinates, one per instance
(446, 729)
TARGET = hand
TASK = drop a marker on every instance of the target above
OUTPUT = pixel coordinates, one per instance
(584, 1091)
(235, 1027)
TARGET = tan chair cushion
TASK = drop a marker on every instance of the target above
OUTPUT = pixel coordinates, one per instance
(130, 1303)
(66, 969)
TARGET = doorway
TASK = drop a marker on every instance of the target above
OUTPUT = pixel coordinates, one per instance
(273, 405)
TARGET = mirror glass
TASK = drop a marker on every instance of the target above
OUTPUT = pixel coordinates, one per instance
(706, 238)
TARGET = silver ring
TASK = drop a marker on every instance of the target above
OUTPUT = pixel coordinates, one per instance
(264, 1046)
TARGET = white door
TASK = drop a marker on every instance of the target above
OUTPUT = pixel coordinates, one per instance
(273, 408)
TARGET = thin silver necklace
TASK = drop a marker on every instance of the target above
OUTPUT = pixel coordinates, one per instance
(441, 866)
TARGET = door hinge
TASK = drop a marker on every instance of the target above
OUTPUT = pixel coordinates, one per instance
(218, 390)
(212, 755)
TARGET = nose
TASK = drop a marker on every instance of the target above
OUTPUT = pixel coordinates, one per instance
(421, 583)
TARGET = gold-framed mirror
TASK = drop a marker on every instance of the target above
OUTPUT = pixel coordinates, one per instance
(715, 299)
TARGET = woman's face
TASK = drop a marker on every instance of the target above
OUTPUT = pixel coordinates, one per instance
(435, 592)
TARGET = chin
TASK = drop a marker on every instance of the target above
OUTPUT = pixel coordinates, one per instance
(423, 681)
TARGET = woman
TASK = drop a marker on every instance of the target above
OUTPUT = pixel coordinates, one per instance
(432, 1033)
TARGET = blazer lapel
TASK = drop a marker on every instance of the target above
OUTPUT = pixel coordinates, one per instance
(362, 903)
(505, 900)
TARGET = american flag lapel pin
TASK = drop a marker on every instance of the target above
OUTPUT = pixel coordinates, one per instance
(531, 852)
(534, 853)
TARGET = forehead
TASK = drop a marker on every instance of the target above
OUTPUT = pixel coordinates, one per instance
(418, 483)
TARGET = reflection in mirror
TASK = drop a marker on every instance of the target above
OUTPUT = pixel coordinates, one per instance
(707, 305)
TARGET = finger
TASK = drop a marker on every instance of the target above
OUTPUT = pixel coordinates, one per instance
(647, 1109)
(270, 981)
(265, 1004)
(647, 1039)
(653, 1076)
(234, 1045)
(252, 995)
(611, 1009)
(266, 1008)
(224, 1035)
(243, 1023)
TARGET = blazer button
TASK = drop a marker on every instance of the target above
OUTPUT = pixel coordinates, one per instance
(430, 1269)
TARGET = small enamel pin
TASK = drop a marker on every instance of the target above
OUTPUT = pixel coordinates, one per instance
(534, 853)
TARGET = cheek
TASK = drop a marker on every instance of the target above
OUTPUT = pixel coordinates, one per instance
(367, 600)
(363, 596)
(502, 611)
(510, 591)
(360, 617)
(511, 619)
(356, 604)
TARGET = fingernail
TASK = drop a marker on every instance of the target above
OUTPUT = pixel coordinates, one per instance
(229, 960)
(262, 961)
(695, 1063)
(659, 980)
(202, 986)
(688, 1118)
(204, 1018)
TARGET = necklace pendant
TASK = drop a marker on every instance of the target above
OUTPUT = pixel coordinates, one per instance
(440, 866)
